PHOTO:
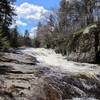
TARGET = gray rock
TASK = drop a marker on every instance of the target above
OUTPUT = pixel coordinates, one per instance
(82, 47)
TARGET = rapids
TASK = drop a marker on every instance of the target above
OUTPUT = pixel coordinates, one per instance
(49, 58)
(78, 81)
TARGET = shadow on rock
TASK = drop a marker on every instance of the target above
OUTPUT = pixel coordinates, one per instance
(5, 69)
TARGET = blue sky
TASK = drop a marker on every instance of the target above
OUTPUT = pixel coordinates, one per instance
(46, 3)
(29, 12)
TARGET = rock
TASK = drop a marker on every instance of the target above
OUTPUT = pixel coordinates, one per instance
(18, 79)
(9, 50)
(18, 58)
(84, 47)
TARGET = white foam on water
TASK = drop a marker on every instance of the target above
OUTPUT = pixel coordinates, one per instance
(84, 99)
(49, 57)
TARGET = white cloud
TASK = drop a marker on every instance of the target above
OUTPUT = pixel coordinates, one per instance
(20, 23)
(30, 11)
(33, 32)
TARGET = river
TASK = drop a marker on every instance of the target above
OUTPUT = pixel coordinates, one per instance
(42, 74)
(82, 78)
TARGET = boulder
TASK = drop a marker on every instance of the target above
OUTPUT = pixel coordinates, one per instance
(85, 46)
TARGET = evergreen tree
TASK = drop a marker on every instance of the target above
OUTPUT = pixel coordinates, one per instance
(6, 18)
(27, 40)
(63, 11)
(14, 37)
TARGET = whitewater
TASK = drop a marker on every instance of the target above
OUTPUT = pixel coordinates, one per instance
(82, 79)
(50, 58)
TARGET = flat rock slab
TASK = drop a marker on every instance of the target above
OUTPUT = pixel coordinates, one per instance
(19, 58)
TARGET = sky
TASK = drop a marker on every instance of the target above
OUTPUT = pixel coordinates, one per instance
(30, 12)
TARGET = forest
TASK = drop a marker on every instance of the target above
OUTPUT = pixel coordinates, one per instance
(71, 18)
(61, 61)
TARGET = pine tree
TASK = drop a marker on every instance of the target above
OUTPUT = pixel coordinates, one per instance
(6, 18)
(27, 40)
(14, 37)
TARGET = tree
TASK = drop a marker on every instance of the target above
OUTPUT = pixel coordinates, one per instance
(62, 15)
(36, 43)
(73, 15)
(6, 17)
(4, 44)
(27, 40)
(88, 7)
(14, 37)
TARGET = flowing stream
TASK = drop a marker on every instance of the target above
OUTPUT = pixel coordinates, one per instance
(78, 81)
(56, 61)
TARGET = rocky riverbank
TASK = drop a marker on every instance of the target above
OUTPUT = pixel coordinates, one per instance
(84, 45)
(30, 75)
